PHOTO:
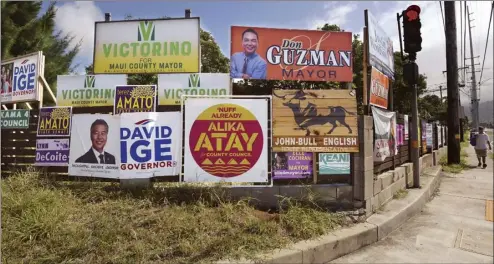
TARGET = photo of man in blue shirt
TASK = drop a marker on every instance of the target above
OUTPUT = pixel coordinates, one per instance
(248, 64)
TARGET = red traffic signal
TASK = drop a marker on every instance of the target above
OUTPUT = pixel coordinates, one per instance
(412, 12)
(411, 29)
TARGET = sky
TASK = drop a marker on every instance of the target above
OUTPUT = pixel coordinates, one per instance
(77, 18)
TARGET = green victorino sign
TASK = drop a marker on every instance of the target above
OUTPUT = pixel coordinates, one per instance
(173, 86)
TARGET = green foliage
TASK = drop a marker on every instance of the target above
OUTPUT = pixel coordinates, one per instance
(432, 108)
(23, 32)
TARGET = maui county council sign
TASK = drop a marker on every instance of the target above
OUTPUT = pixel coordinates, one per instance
(147, 46)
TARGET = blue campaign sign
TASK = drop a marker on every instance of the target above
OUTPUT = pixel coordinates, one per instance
(334, 163)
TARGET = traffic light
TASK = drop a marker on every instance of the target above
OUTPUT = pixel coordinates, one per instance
(411, 29)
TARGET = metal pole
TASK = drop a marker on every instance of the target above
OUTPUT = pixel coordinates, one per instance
(475, 101)
(452, 84)
(414, 136)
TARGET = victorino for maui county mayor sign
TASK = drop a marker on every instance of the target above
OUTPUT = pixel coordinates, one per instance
(20, 78)
(147, 46)
(15, 119)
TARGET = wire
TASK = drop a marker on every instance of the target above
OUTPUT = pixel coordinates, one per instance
(486, 42)
(442, 16)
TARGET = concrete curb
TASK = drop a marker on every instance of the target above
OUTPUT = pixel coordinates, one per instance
(344, 241)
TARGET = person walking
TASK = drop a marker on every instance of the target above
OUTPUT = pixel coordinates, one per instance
(481, 144)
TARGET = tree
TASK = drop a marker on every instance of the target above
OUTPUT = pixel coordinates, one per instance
(23, 32)
(401, 92)
(432, 108)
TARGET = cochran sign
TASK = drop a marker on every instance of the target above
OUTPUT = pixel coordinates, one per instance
(15, 119)
(88, 90)
(173, 86)
(379, 89)
(381, 54)
(292, 165)
(52, 152)
(54, 121)
(226, 140)
(150, 144)
(135, 98)
(20, 78)
(147, 46)
(284, 54)
(315, 121)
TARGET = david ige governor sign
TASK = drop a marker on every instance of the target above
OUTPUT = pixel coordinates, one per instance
(147, 46)
(20, 78)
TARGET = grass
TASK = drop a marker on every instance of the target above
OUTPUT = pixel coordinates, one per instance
(457, 168)
(44, 221)
(400, 194)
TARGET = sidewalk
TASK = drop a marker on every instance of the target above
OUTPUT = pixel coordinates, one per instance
(452, 228)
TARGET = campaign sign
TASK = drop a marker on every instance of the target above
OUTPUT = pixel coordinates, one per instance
(150, 144)
(54, 121)
(334, 163)
(20, 78)
(135, 98)
(292, 165)
(15, 119)
(52, 152)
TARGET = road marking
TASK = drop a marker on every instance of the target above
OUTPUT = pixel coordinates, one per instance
(489, 210)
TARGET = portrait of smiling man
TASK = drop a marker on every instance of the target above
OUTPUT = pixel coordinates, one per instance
(248, 64)
(97, 154)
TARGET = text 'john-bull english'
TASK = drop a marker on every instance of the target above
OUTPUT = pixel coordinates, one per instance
(24, 79)
(148, 147)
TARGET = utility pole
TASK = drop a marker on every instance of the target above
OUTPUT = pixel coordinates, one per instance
(452, 82)
(475, 101)
(441, 92)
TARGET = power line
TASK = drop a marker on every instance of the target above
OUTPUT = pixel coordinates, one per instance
(442, 16)
(486, 42)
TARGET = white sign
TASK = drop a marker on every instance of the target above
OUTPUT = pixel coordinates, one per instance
(88, 90)
(226, 140)
(52, 152)
(150, 144)
(172, 86)
(405, 117)
(20, 78)
(94, 146)
(381, 54)
(385, 134)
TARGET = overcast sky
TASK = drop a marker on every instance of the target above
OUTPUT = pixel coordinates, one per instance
(78, 18)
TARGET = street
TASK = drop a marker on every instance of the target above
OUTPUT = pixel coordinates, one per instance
(452, 227)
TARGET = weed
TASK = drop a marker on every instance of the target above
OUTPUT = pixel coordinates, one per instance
(400, 194)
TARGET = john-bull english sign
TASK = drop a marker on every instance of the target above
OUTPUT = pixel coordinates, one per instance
(54, 121)
(147, 46)
(226, 140)
(173, 86)
(292, 165)
(135, 98)
(20, 78)
(285, 54)
(52, 152)
(15, 119)
(315, 121)
(150, 144)
(88, 90)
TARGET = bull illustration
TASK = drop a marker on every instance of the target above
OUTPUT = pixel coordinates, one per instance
(308, 117)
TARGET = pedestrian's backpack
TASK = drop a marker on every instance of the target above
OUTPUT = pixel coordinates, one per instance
(473, 139)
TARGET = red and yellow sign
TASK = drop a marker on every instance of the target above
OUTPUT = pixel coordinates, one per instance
(286, 54)
(226, 140)
(379, 89)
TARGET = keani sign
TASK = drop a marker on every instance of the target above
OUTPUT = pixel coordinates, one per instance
(172, 86)
(314, 121)
(20, 78)
(54, 121)
(88, 90)
(147, 46)
(135, 98)
(226, 140)
(150, 144)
